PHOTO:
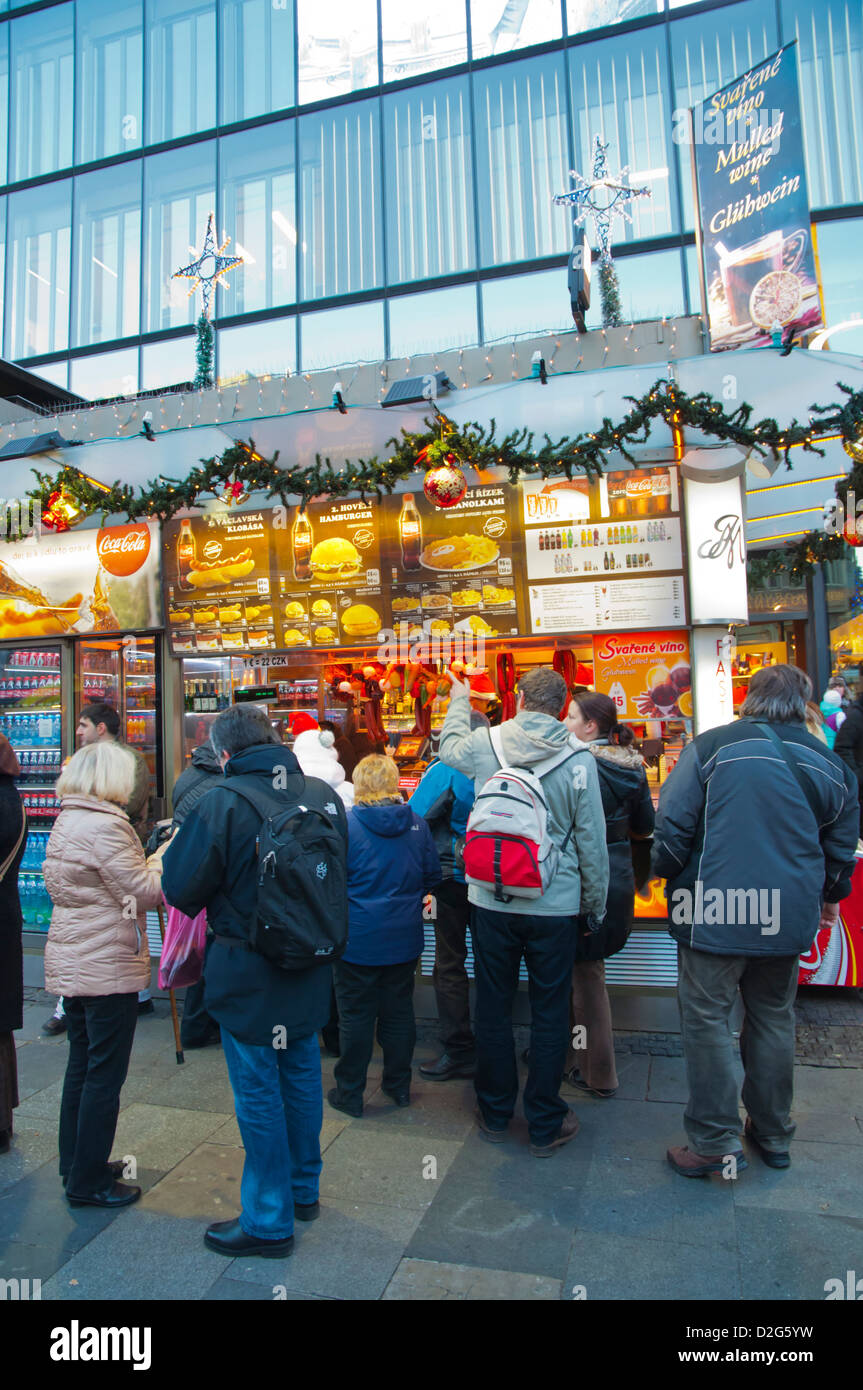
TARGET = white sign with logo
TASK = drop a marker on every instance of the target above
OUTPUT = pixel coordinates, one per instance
(716, 552)
(712, 651)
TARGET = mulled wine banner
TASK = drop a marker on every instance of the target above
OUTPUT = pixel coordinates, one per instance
(756, 238)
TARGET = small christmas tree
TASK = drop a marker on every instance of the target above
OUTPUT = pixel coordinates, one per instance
(204, 354)
(609, 294)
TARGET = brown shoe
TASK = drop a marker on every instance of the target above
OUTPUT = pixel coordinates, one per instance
(568, 1130)
(693, 1165)
(493, 1136)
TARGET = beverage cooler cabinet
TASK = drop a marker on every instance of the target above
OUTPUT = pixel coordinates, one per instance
(30, 717)
(126, 673)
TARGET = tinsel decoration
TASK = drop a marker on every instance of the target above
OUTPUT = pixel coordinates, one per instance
(609, 294)
(204, 355)
(517, 454)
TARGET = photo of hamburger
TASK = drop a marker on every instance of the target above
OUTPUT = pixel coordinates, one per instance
(322, 608)
(335, 558)
(294, 638)
(360, 621)
(324, 634)
(295, 610)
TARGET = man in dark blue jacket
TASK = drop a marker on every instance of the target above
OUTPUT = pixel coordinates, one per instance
(755, 833)
(444, 798)
(268, 1016)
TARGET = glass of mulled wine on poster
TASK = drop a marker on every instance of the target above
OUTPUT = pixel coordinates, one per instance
(760, 279)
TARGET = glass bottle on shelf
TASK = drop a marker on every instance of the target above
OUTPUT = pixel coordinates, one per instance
(410, 533)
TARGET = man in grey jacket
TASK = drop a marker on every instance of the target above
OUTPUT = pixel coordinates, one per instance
(542, 930)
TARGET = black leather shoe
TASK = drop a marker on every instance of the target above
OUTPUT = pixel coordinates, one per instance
(54, 1027)
(772, 1157)
(213, 1039)
(307, 1211)
(445, 1067)
(115, 1168)
(400, 1098)
(119, 1194)
(229, 1238)
(354, 1111)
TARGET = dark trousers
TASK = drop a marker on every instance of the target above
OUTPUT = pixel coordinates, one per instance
(366, 993)
(449, 977)
(197, 1026)
(100, 1029)
(707, 988)
(500, 939)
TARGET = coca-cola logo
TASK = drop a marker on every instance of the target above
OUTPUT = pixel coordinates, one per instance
(122, 550)
(635, 486)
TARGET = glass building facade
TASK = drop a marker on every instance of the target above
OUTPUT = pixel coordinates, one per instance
(385, 171)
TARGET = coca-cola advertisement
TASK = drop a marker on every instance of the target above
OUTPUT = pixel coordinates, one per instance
(81, 581)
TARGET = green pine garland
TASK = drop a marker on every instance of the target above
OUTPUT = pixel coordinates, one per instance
(475, 446)
(204, 355)
(609, 294)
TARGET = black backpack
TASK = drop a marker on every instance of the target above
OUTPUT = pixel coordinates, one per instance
(301, 917)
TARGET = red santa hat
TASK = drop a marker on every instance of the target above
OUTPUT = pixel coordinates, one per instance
(481, 687)
(303, 721)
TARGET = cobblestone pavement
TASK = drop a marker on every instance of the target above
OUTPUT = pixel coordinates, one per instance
(416, 1206)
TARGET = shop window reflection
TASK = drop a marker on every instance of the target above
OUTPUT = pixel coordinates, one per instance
(338, 337)
(499, 26)
(106, 374)
(338, 47)
(830, 61)
(583, 15)
(651, 287)
(258, 349)
(433, 321)
(839, 257)
(107, 279)
(181, 68)
(340, 201)
(518, 305)
(179, 194)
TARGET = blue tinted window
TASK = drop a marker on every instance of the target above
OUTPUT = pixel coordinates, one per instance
(338, 47)
(42, 92)
(583, 15)
(106, 374)
(651, 287)
(179, 194)
(167, 364)
(181, 68)
(418, 37)
(620, 91)
(429, 189)
(521, 153)
(433, 321)
(258, 200)
(259, 349)
(37, 299)
(340, 198)
(109, 49)
(257, 55)
(829, 37)
(335, 337)
(499, 26)
(107, 278)
(523, 304)
(839, 256)
(4, 100)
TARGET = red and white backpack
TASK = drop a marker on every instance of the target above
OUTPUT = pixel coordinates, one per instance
(508, 849)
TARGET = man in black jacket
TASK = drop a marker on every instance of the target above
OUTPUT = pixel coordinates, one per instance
(197, 1028)
(268, 1016)
(755, 833)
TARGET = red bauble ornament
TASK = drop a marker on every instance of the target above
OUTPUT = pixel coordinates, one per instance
(445, 484)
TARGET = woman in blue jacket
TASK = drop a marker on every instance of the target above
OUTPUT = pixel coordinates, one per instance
(392, 864)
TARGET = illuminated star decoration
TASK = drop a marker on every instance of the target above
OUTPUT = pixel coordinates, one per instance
(603, 198)
(210, 266)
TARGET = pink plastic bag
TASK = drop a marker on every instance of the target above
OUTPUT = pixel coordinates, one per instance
(182, 961)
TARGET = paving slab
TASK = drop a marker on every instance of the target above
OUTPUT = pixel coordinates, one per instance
(827, 1126)
(792, 1254)
(19, 1260)
(624, 1267)
(632, 1074)
(35, 1212)
(350, 1252)
(366, 1165)
(198, 1085)
(34, 1142)
(822, 1178)
(667, 1081)
(141, 1255)
(435, 1281)
(647, 1199)
(626, 1128)
(824, 1088)
(33, 1017)
(160, 1136)
(40, 1063)
(229, 1132)
(438, 1109)
(203, 1187)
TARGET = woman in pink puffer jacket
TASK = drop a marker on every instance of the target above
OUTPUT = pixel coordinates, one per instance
(97, 957)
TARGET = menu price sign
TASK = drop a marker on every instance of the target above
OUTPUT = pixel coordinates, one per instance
(453, 570)
(619, 547)
(552, 501)
(218, 583)
(328, 560)
(756, 239)
(620, 603)
(646, 674)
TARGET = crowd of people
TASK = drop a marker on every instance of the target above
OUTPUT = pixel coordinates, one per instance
(316, 875)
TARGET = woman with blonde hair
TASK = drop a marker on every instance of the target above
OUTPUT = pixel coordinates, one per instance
(392, 864)
(97, 957)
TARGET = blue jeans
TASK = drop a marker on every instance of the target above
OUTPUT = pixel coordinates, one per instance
(278, 1098)
(500, 939)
